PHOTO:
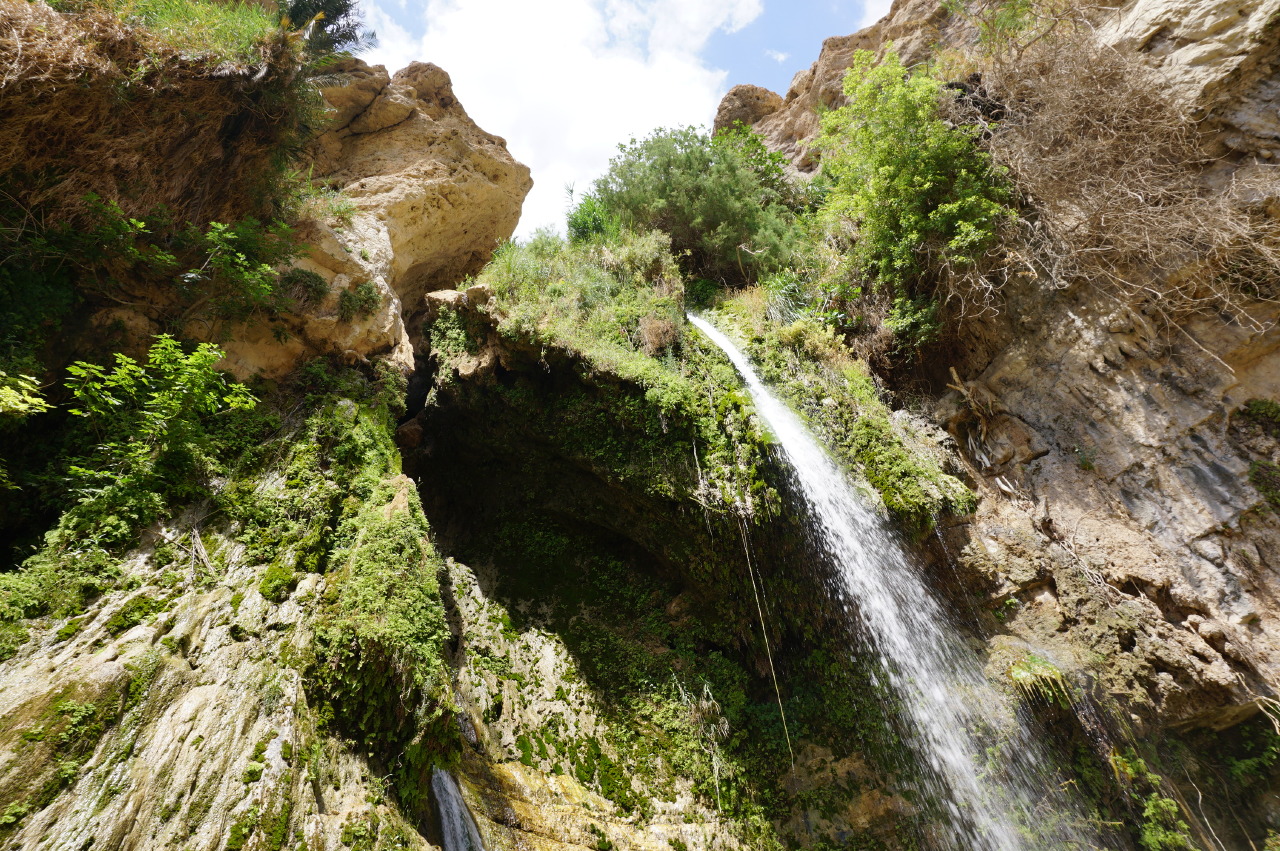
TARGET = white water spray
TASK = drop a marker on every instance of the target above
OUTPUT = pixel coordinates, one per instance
(457, 827)
(1013, 805)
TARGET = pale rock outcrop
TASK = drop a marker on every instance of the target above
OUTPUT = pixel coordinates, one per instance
(747, 104)
(1222, 60)
(1219, 59)
(445, 192)
(433, 196)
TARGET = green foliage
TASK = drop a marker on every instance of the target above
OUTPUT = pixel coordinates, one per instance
(1264, 413)
(19, 397)
(1265, 477)
(339, 25)
(589, 220)
(361, 300)
(719, 200)
(922, 200)
(149, 434)
(150, 424)
(303, 286)
(218, 271)
(278, 582)
(1162, 827)
(132, 613)
(232, 31)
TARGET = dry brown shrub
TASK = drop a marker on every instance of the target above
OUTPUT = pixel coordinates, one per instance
(657, 334)
(1114, 172)
(89, 105)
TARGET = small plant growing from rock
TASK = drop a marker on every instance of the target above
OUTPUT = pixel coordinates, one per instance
(360, 301)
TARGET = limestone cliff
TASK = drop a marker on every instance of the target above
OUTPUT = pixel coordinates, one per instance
(432, 195)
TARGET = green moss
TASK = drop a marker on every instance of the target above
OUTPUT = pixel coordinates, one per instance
(1265, 413)
(526, 749)
(134, 612)
(278, 582)
(1038, 679)
(242, 830)
(1265, 477)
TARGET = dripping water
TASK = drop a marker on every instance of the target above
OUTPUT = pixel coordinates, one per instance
(992, 800)
(457, 828)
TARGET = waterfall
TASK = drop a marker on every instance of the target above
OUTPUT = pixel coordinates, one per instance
(456, 825)
(1009, 802)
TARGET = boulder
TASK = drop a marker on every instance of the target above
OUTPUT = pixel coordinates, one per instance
(445, 192)
(746, 104)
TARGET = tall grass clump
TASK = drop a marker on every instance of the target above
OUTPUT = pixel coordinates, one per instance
(223, 32)
(607, 299)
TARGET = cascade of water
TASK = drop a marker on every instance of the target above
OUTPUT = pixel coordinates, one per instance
(456, 825)
(1012, 803)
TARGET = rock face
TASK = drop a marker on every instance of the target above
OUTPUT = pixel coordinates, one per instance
(444, 192)
(432, 194)
(747, 104)
(1220, 60)
(1115, 453)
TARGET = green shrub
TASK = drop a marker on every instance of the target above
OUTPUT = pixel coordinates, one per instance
(304, 286)
(278, 583)
(719, 200)
(590, 220)
(362, 300)
(150, 438)
(918, 198)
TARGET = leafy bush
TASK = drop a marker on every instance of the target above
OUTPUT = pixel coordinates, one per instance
(915, 196)
(304, 286)
(361, 300)
(338, 24)
(148, 424)
(590, 220)
(722, 201)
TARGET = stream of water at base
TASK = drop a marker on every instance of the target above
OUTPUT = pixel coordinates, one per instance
(457, 828)
(1007, 802)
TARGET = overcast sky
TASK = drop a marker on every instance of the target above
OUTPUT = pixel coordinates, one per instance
(565, 81)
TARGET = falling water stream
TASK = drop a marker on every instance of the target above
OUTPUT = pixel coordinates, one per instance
(457, 828)
(1006, 802)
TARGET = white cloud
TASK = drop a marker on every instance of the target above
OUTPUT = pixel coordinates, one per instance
(565, 81)
(777, 56)
(872, 11)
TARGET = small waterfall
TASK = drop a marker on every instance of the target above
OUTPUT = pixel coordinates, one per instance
(1001, 801)
(456, 825)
